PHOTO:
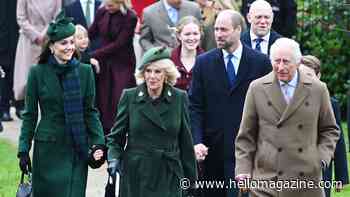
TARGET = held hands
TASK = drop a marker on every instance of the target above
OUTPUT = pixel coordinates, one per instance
(97, 152)
(201, 151)
(96, 64)
(113, 167)
(24, 162)
(97, 156)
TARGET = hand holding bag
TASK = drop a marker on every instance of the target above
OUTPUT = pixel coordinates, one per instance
(25, 188)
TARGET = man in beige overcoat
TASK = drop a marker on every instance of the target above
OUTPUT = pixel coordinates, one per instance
(288, 130)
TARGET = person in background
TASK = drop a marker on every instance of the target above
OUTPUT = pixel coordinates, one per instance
(284, 15)
(188, 32)
(114, 24)
(288, 129)
(83, 11)
(339, 159)
(210, 9)
(81, 40)
(69, 135)
(159, 21)
(2, 75)
(260, 36)
(33, 18)
(138, 6)
(154, 118)
(8, 40)
(220, 79)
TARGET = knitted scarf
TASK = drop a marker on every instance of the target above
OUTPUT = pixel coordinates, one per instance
(73, 104)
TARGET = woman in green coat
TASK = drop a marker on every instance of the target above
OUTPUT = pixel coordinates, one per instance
(69, 125)
(154, 119)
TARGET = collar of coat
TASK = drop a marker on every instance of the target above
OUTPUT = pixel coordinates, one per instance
(303, 78)
(275, 97)
(142, 93)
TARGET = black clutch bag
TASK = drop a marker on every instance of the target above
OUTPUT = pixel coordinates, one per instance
(25, 188)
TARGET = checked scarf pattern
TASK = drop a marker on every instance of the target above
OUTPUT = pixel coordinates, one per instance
(73, 104)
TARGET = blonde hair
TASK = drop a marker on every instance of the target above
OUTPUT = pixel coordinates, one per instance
(124, 6)
(188, 20)
(80, 29)
(171, 73)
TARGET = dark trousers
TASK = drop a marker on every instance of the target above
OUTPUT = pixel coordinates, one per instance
(6, 93)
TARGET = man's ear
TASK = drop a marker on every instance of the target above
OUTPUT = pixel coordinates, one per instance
(249, 17)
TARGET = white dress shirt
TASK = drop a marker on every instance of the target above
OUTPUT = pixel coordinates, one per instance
(92, 8)
(236, 59)
(288, 89)
(264, 44)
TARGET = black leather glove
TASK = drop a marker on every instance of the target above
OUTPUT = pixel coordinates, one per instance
(113, 167)
(97, 163)
(24, 162)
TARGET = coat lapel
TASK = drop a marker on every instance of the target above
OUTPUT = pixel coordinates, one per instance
(53, 84)
(149, 111)
(301, 92)
(222, 77)
(274, 94)
(242, 69)
(80, 13)
(165, 105)
(163, 14)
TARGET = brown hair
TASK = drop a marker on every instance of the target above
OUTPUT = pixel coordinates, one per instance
(46, 52)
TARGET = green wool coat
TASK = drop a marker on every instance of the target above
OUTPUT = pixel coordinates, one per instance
(57, 170)
(159, 150)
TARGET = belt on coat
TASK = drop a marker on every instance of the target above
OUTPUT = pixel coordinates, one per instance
(170, 157)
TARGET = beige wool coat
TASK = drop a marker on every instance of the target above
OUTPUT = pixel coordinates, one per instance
(277, 141)
(33, 18)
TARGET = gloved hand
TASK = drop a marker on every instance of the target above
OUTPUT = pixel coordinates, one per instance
(113, 167)
(24, 162)
(91, 160)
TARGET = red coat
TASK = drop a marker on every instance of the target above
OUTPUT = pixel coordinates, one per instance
(116, 57)
(139, 5)
(186, 76)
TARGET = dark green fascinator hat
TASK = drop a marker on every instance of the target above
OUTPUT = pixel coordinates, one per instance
(62, 27)
(154, 54)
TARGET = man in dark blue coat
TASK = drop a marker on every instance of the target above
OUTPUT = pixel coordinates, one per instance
(83, 16)
(260, 36)
(285, 15)
(8, 44)
(220, 81)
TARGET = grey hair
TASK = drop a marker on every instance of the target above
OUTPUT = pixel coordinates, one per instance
(286, 43)
(171, 72)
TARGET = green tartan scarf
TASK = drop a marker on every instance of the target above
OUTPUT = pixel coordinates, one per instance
(73, 104)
